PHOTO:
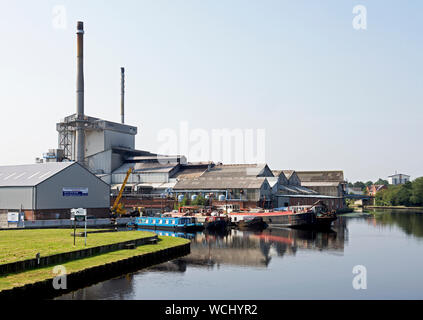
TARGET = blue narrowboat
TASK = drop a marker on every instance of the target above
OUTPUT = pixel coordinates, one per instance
(168, 223)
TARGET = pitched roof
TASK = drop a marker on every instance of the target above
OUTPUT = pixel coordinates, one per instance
(320, 184)
(321, 176)
(288, 173)
(189, 173)
(236, 170)
(219, 183)
(30, 175)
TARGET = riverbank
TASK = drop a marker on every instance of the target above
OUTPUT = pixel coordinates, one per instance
(81, 272)
(394, 207)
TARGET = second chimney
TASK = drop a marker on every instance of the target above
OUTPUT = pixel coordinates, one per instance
(122, 95)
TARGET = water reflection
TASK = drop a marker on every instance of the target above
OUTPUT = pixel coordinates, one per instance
(253, 249)
(410, 222)
(217, 259)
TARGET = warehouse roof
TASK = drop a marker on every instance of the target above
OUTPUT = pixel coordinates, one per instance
(320, 176)
(30, 175)
(220, 183)
(288, 173)
(320, 184)
(189, 173)
(238, 171)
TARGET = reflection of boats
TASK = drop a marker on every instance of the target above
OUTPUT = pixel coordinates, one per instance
(171, 233)
(167, 223)
(216, 223)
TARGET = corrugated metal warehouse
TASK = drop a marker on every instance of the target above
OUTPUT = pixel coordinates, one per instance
(49, 190)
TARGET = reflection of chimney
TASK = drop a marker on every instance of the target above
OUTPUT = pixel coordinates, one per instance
(80, 156)
(122, 95)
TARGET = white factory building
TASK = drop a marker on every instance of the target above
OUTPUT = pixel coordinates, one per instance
(49, 190)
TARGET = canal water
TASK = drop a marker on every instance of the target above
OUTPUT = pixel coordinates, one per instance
(287, 264)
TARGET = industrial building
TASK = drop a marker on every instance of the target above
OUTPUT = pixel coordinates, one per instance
(107, 149)
(49, 190)
(329, 183)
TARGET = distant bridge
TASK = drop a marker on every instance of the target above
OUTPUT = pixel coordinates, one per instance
(358, 197)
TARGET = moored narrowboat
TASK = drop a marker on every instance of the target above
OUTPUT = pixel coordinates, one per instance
(216, 223)
(252, 222)
(168, 223)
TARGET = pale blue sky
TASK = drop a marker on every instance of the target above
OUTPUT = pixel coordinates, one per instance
(329, 96)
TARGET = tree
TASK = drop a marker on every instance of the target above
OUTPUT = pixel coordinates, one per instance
(368, 183)
(417, 192)
(382, 182)
(402, 195)
(359, 184)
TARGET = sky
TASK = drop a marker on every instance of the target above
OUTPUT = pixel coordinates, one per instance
(326, 95)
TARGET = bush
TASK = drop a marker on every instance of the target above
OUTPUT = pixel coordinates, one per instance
(407, 194)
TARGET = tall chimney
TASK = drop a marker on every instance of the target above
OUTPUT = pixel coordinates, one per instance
(122, 95)
(80, 154)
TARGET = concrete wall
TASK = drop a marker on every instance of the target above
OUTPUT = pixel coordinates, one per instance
(94, 142)
(49, 194)
(118, 139)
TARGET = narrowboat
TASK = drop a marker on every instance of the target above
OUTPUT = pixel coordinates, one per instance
(216, 223)
(251, 222)
(168, 223)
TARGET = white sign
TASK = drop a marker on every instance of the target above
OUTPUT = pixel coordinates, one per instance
(79, 212)
(13, 217)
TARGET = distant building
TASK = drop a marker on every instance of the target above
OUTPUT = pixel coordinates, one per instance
(398, 178)
(375, 188)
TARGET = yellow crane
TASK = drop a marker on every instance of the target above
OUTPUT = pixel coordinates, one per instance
(117, 208)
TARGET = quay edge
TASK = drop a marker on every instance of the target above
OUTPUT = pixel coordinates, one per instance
(89, 276)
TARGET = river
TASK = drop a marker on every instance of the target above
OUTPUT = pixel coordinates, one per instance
(287, 264)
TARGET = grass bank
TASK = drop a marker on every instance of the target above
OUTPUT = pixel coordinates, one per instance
(46, 273)
(18, 245)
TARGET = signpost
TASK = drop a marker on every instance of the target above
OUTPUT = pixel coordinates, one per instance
(13, 217)
(79, 214)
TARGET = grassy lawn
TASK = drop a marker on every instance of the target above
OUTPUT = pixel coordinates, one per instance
(20, 279)
(16, 245)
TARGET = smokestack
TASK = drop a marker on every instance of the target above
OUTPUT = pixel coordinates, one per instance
(80, 154)
(122, 95)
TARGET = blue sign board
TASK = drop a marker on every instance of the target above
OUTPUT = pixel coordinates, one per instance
(75, 192)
